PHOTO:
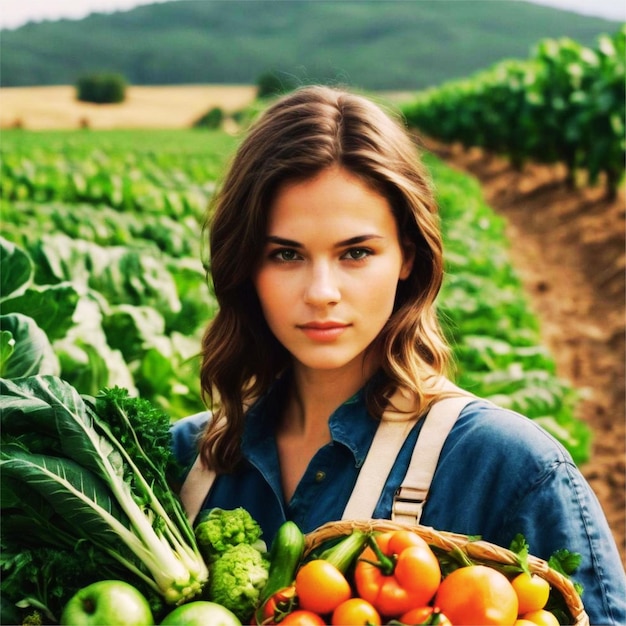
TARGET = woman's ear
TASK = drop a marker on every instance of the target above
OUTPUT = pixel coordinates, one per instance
(408, 258)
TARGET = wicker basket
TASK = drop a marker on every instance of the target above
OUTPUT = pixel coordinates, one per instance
(475, 550)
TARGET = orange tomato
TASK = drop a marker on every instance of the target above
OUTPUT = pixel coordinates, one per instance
(532, 592)
(541, 618)
(355, 612)
(321, 587)
(303, 618)
(477, 595)
(424, 615)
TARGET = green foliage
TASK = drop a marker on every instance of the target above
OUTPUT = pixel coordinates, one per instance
(494, 335)
(271, 84)
(101, 88)
(213, 119)
(565, 104)
(81, 471)
(26, 350)
(106, 249)
(370, 45)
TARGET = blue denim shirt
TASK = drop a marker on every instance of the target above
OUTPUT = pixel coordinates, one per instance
(499, 474)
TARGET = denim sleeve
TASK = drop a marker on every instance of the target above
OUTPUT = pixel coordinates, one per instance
(560, 509)
(501, 474)
(185, 433)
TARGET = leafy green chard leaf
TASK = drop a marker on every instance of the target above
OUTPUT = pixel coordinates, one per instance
(82, 499)
(28, 518)
(7, 347)
(21, 274)
(98, 489)
(32, 353)
(51, 306)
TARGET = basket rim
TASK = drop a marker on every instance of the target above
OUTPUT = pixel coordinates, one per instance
(474, 548)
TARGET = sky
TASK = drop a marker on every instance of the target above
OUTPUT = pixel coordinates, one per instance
(15, 13)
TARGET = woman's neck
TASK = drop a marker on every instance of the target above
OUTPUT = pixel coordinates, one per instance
(315, 394)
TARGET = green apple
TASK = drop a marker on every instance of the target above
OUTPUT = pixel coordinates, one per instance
(107, 602)
(200, 613)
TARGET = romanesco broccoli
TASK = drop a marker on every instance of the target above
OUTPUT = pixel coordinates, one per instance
(219, 529)
(237, 579)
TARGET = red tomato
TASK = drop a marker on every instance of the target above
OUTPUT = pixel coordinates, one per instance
(303, 618)
(279, 604)
(425, 615)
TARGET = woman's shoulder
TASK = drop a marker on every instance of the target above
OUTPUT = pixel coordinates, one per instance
(185, 433)
(499, 432)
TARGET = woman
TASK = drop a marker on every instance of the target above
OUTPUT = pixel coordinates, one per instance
(326, 260)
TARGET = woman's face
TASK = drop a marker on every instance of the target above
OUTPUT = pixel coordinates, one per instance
(329, 271)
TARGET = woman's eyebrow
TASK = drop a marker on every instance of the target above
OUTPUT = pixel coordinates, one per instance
(281, 241)
(356, 240)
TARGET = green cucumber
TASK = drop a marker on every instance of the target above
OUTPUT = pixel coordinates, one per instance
(285, 556)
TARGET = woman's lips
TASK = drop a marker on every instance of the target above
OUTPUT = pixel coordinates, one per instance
(323, 331)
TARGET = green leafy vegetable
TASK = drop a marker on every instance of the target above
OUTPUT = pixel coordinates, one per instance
(76, 471)
(26, 349)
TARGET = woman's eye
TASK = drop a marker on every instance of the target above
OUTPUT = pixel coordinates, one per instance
(357, 254)
(285, 255)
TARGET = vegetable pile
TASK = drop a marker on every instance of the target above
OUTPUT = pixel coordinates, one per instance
(83, 499)
(396, 577)
(86, 504)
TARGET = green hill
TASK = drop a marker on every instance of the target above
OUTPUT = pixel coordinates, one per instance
(382, 44)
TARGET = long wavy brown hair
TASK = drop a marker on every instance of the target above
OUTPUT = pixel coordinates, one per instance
(297, 137)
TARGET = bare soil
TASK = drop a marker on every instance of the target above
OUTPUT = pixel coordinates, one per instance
(569, 249)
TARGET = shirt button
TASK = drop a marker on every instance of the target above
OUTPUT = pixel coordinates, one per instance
(319, 476)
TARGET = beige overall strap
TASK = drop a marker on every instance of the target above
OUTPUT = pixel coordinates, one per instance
(385, 447)
(388, 440)
(195, 488)
(411, 496)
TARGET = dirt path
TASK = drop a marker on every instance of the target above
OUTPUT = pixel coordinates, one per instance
(569, 250)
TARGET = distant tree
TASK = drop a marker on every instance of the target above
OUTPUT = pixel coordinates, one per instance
(211, 119)
(101, 88)
(271, 84)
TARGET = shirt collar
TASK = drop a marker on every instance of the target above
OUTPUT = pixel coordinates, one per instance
(350, 424)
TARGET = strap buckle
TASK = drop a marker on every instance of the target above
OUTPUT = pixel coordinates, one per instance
(408, 503)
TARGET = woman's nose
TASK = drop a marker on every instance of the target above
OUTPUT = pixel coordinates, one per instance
(322, 286)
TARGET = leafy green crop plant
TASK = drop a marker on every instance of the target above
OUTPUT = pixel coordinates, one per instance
(78, 470)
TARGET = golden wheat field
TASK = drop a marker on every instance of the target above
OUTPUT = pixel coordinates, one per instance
(43, 108)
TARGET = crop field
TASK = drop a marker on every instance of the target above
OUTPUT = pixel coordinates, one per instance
(48, 108)
(102, 232)
(106, 284)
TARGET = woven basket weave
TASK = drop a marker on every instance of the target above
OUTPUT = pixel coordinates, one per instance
(475, 550)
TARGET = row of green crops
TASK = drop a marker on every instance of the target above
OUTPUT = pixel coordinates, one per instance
(115, 282)
(566, 104)
(107, 233)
